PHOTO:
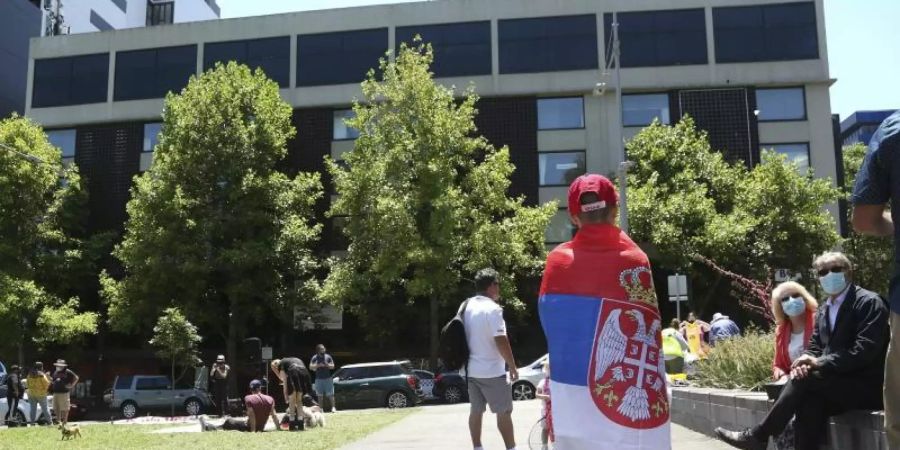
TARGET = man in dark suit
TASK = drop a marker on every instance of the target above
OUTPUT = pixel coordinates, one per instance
(842, 370)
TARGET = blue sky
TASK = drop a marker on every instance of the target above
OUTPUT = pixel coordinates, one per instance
(863, 45)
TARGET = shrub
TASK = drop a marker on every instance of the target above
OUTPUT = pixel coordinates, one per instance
(743, 362)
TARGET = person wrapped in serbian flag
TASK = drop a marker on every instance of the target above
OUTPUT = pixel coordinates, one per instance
(599, 312)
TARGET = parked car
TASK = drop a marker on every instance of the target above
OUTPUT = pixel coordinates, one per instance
(134, 393)
(529, 377)
(373, 385)
(23, 412)
(451, 387)
(426, 383)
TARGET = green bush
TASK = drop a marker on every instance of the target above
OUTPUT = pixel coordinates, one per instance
(739, 363)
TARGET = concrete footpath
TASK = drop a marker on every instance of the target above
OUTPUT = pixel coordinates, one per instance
(444, 427)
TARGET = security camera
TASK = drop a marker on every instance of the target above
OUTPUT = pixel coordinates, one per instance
(600, 88)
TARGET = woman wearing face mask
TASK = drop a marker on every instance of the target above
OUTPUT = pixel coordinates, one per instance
(794, 309)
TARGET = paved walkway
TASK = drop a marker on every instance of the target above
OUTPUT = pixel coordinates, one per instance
(443, 427)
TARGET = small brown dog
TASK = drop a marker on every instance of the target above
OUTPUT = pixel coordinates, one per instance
(69, 432)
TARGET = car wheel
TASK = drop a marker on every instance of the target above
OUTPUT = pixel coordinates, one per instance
(129, 410)
(193, 407)
(453, 394)
(522, 390)
(19, 417)
(398, 399)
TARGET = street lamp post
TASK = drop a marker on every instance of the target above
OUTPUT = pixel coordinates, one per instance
(622, 171)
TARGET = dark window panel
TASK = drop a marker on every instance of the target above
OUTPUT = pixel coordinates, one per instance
(272, 55)
(460, 49)
(778, 32)
(339, 58)
(161, 13)
(70, 81)
(548, 44)
(660, 38)
(99, 22)
(122, 4)
(151, 73)
(726, 115)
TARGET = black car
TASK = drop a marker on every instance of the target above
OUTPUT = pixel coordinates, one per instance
(451, 387)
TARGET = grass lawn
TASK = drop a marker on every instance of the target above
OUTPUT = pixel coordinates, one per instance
(343, 428)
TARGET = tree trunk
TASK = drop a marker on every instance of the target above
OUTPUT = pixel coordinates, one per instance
(21, 351)
(231, 347)
(172, 386)
(433, 327)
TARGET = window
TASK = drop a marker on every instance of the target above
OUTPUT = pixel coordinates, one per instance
(152, 383)
(639, 110)
(64, 140)
(383, 371)
(459, 48)
(72, 80)
(560, 113)
(548, 44)
(160, 12)
(151, 135)
(352, 373)
(798, 153)
(341, 130)
(560, 228)
(339, 58)
(153, 72)
(560, 168)
(272, 55)
(659, 38)
(781, 104)
(777, 32)
(98, 21)
(124, 382)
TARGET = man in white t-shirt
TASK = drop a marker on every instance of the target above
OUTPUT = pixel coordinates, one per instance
(489, 355)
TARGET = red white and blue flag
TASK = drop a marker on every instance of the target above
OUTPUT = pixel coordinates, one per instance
(599, 313)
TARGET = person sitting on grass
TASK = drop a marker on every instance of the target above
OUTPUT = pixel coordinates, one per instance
(259, 408)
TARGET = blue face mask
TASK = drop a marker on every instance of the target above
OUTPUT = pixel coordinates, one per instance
(793, 306)
(833, 283)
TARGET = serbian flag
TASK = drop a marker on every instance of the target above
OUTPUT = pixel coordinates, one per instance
(598, 310)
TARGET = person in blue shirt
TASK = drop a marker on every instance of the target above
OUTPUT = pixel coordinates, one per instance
(721, 328)
(877, 183)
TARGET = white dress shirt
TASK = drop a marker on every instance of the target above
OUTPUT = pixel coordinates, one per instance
(834, 305)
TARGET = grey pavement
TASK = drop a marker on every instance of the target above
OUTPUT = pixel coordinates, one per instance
(444, 427)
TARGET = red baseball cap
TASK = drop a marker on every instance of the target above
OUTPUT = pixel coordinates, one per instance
(591, 182)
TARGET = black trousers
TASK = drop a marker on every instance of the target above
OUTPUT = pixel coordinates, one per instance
(220, 394)
(13, 403)
(813, 400)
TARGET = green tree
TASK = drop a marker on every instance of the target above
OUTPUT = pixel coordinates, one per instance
(41, 253)
(176, 339)
(721, 221)
(426, 198)
(213, 227)
(873, 257)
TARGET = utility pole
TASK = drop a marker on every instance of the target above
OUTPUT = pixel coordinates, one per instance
(622, 171)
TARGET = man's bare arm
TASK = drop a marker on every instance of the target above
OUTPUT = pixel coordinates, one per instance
(507, 354)
(274, 418)
(251, 419)
(872, 220)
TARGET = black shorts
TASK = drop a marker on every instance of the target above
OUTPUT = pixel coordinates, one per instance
(298, 380)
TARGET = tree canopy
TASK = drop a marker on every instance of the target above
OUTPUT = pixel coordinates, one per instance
(425, 197)
(43, 252)
(694, 207)
(213, 228)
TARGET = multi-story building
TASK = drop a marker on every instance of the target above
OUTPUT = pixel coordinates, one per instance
(861, 125)
(753, 73)
(20, 20)
(85, 16)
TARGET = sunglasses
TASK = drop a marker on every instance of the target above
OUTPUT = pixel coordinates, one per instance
(823, 272)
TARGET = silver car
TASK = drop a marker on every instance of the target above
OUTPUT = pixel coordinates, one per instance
(134, 394)
(529, 377)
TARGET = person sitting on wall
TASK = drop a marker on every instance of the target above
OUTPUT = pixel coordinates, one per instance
(842, 370)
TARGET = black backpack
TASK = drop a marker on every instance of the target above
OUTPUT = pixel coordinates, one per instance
(453, 348)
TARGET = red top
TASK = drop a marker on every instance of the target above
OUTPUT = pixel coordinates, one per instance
(783, 340)
(261, 405)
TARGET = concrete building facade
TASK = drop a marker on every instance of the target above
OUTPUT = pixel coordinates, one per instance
(753, 73)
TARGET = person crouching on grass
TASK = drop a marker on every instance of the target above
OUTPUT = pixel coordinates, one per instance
(259, 406)
(296, 381)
